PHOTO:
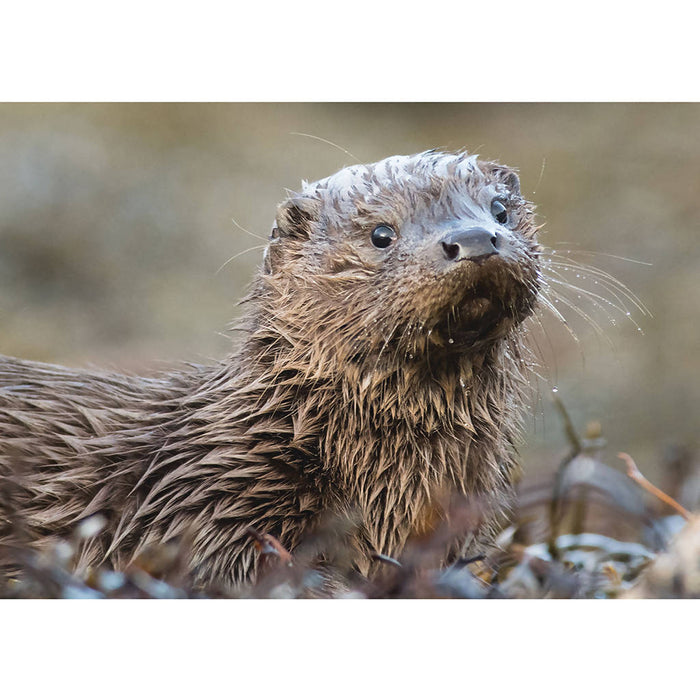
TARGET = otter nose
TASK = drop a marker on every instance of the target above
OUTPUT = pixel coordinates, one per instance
(470, 244)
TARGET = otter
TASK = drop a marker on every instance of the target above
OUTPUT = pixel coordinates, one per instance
(381, 366)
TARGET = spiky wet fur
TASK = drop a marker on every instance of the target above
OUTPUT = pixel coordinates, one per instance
(366, 384)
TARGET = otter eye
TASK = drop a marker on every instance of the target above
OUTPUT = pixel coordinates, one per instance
(383, 236)
(499, 211)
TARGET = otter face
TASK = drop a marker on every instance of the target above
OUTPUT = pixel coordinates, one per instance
(435, 249)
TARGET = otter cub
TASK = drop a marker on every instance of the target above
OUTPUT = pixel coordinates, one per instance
(380, 367)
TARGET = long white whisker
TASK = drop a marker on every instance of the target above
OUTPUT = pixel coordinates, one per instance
(601, 275)
(560, 279)
(330, 143)
(576, 309)
(544, 299)
(245, 230)
(238, 255)
(606, 255)
(539, 181)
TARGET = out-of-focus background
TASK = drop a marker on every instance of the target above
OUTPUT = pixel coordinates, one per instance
(116, 219)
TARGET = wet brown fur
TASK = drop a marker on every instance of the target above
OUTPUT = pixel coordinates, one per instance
(365, 383)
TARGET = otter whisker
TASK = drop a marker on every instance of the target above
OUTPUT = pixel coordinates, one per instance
(599, 301)
(330, 143)
(553, 256)
(557, 278)
(601, 276)
(602, 254)
(604, 283)
(577, 310)
(539, 180)
(537, 319)
(250, 233)
(238, 255)
(549, 305)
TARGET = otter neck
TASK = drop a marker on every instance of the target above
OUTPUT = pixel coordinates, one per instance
(392, 440)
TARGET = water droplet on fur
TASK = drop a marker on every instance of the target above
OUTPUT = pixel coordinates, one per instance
(628, 314)
(450, 340)
(555, 389)
(462, 383)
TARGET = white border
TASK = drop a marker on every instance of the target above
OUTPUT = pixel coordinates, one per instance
(356, 50)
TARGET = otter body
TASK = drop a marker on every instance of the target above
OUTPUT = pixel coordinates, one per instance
(380, 368)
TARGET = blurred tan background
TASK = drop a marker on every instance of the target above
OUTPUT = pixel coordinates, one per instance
(114, 220)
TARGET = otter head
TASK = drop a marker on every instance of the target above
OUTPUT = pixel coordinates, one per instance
(433, 253)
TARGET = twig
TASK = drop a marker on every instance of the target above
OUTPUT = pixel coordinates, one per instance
(386, 560)
(269, 545)
(634, 474)
(569, 430)
(465, 561)
(576, 448)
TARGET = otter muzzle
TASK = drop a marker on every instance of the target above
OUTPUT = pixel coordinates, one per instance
(470, 244)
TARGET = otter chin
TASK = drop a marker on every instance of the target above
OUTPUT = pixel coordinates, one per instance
(380, 366)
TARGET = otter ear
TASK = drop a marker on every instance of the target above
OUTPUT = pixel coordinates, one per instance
(295, 216)
(510, 179)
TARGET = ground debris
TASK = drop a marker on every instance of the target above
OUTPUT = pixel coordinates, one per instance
(587, 531)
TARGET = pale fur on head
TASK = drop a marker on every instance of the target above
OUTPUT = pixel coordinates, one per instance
(371, 382)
